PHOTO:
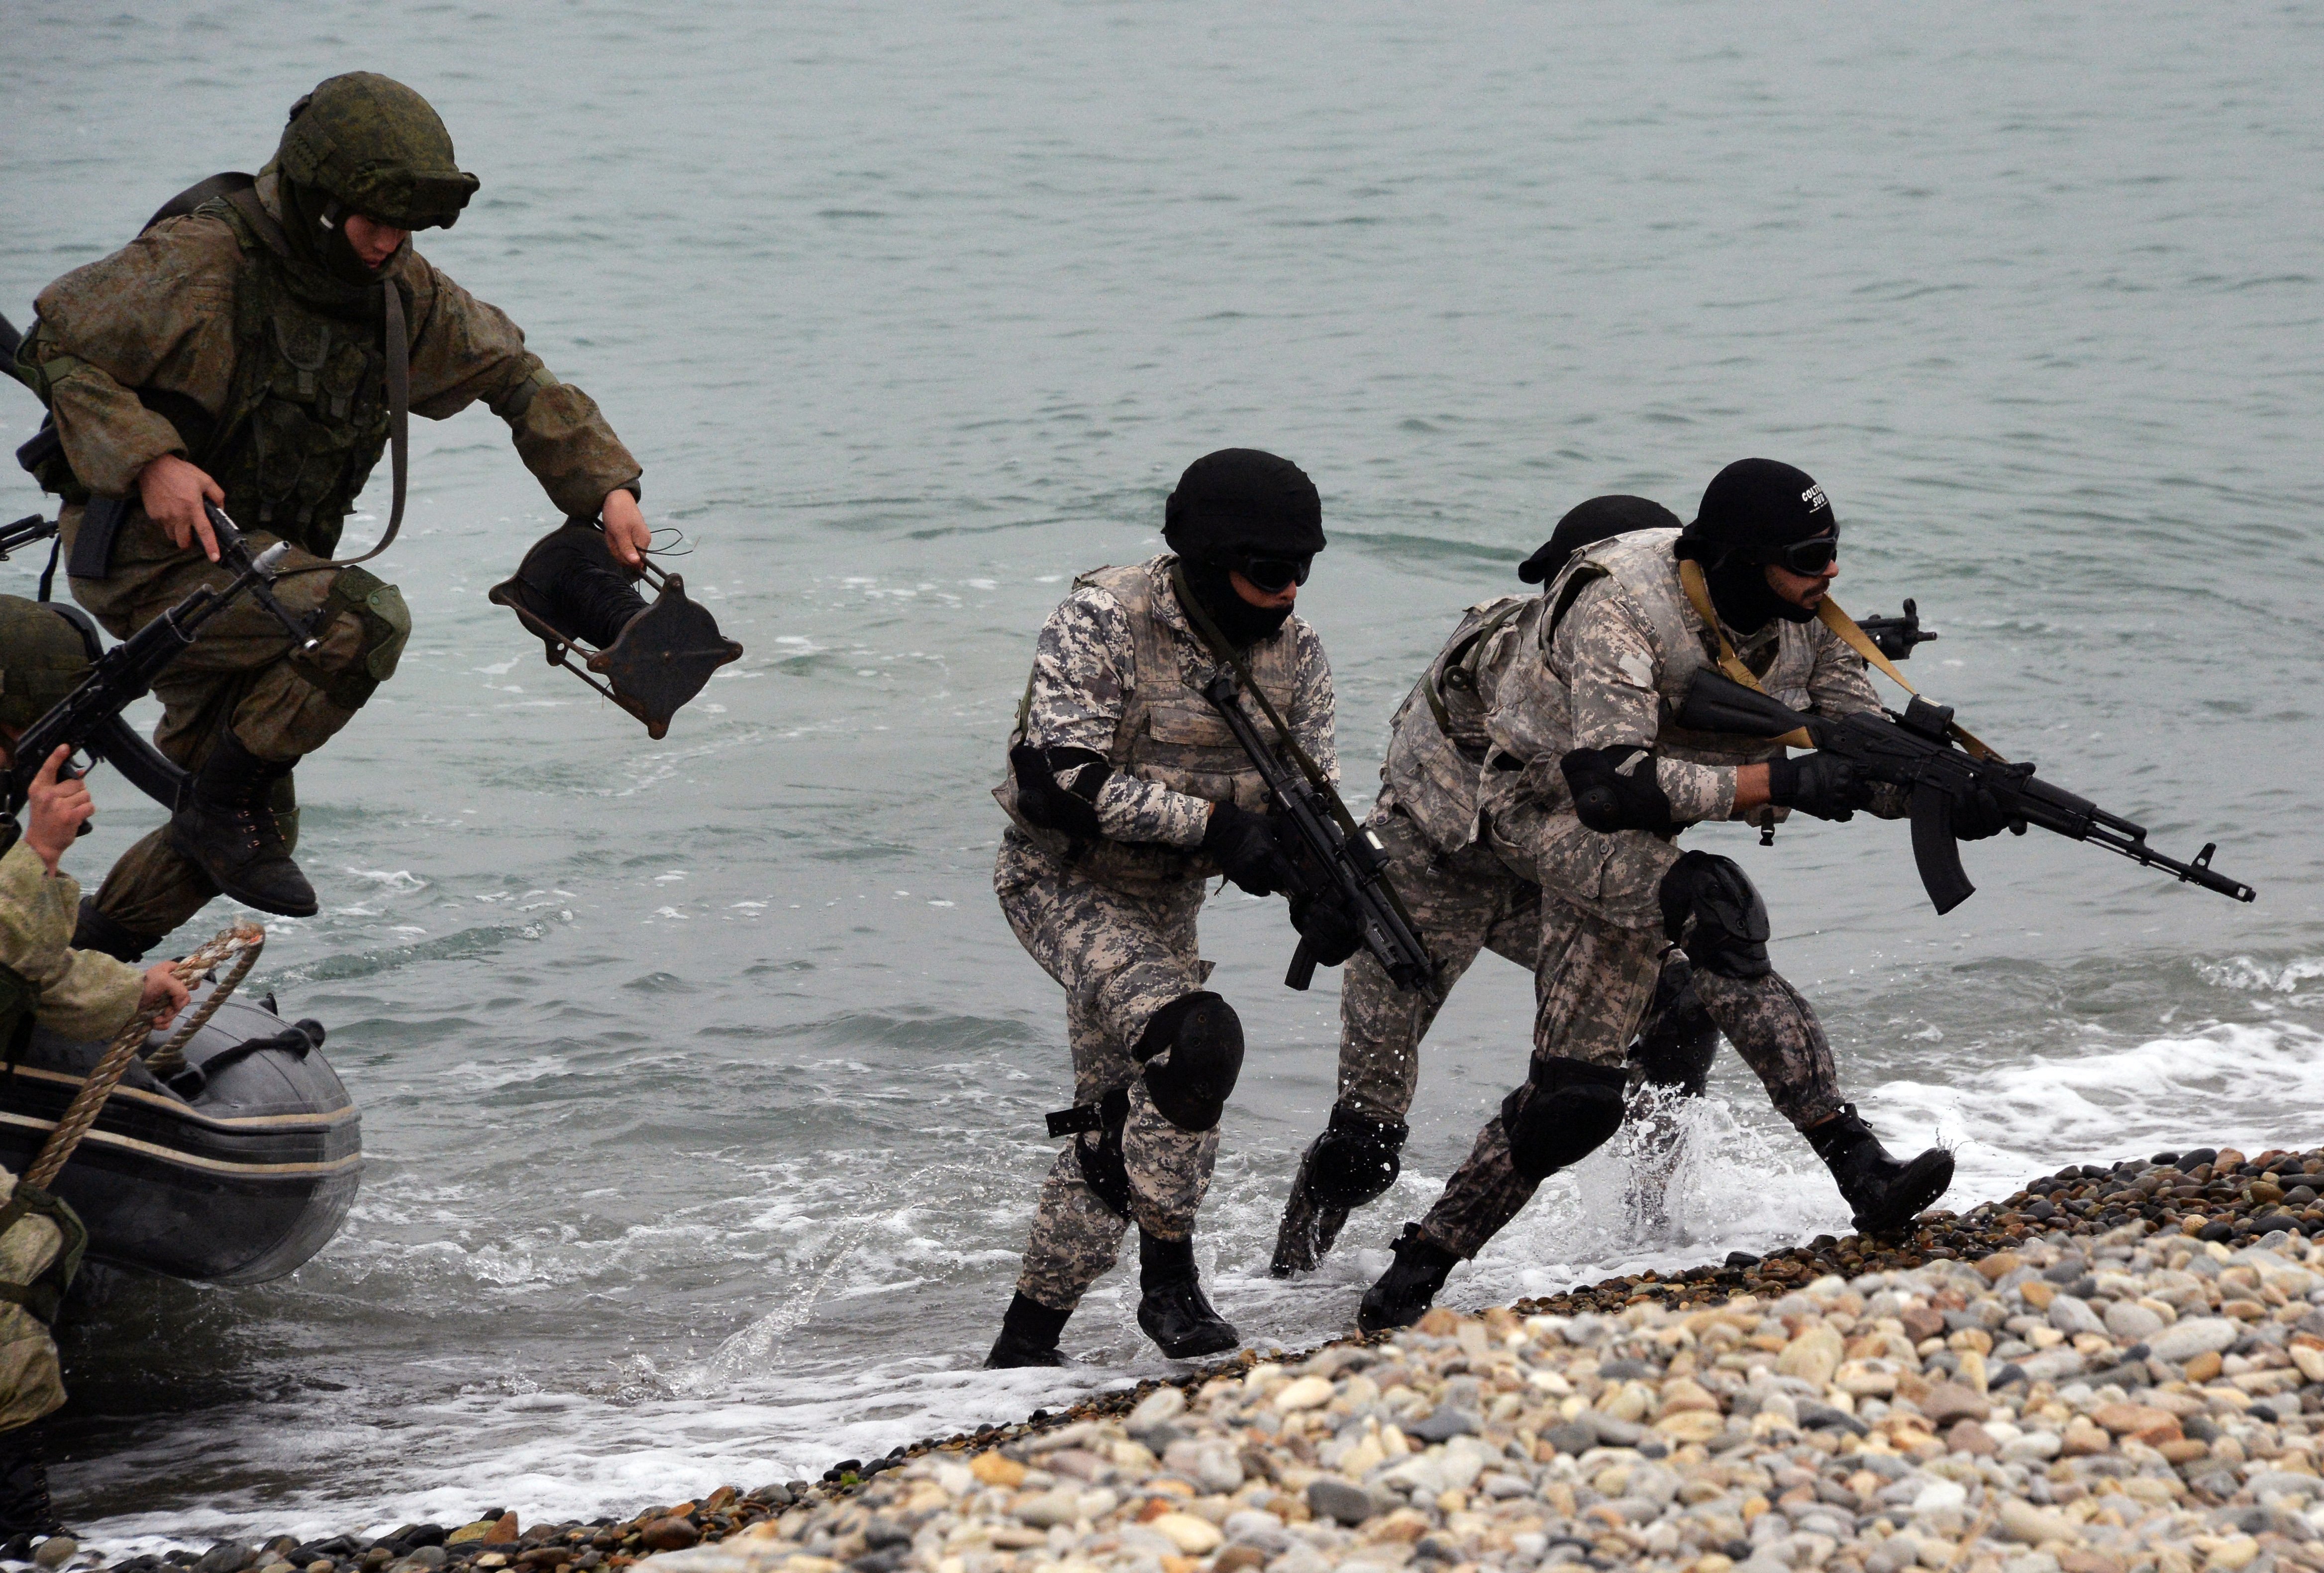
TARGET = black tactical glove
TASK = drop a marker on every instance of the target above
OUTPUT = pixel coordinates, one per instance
(1978, 814)
(1615, 789)
(1818, 784)
(1242, 844)
(1330, 929)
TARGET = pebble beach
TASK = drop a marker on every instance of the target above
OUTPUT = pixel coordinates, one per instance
(2115, 1370)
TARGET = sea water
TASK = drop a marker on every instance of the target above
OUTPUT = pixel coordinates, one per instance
(702, 1082)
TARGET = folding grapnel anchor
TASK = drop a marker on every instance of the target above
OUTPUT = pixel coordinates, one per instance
(660, 658)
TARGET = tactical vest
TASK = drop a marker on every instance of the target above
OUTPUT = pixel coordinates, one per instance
(1645, 565)
(1168, 732)
(1436, 742)
(307, 415)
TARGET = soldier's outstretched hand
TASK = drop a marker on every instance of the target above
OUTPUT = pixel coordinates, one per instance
(56, 809)
(626, 535)
(172, 492)
(164, 995)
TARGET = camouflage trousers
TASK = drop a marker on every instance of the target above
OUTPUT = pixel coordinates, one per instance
(239, 673)
(1595, 974)
(1121, 956)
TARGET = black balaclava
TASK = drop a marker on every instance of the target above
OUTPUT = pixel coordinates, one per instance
(1598, 519)
(1750, 507)
(1231, 506)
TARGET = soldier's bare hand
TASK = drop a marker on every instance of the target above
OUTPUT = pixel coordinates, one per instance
(173, 492)
(164, 995)
(626, 535)
(56, 809)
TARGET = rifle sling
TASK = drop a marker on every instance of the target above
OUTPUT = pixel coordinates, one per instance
(1208, 632)
(1843, 626)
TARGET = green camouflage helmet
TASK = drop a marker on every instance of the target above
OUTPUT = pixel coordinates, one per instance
(42, 658)
(379, 148)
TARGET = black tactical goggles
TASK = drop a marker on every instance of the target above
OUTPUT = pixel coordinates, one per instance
(1806, 557)
(1274, 574)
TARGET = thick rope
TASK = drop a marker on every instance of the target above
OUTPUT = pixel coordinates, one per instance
(241, 942)
(170, 1058)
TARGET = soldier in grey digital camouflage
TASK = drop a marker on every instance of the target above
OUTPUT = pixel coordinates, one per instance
(1463, 900)
(258, 347)
(1588, 783)
(1125, 792)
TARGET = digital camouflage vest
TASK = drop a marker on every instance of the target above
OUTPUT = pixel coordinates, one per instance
(1167, 733)
(1437, 742)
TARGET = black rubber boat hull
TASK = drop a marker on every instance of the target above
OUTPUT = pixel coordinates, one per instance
(239, 1183)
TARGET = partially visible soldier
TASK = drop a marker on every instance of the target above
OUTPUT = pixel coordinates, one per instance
(1591, 782)
(1463, 898)
(77, 993)
(1125, 793)
(257, 349)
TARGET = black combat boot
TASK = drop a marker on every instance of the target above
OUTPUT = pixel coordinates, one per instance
(1029, 1336)
(96, 930)
(24, 1508)
(227, 828)
(1409, 1288)
(1170, 1305)
(1354, 1161)
(1885, 1194)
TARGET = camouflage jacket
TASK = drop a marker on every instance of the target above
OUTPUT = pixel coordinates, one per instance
(1085, 667)
(80, 993)
(1615, 653)
(1437, 741)
(159, 317)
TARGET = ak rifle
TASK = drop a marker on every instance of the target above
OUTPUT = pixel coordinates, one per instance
(89, 719)
(1340, 858)
(1919, 750)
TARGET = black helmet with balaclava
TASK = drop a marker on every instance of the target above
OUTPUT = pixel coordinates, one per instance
(1242, 511)
(43, 657)
(364, 144)
(1758, 512)
(1598, 519)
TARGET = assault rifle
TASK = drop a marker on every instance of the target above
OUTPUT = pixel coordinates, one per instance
(1895, 637)
(1917, 750)
(89, 719)
(1342, 859)
(28, 530)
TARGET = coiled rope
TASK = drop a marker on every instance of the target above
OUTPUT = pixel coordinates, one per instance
(240, 944)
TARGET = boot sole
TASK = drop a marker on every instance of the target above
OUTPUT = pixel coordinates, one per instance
(1928, 1185)
(178, 844)
(1217, 1343)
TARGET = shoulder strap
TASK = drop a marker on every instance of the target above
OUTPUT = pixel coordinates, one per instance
(1463, 656)
(246, 206)
(1828, 612)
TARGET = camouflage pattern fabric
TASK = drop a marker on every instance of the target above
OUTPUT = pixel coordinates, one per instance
(1121, 956)
(1776, 1032)
(380, 148)
(1461, 904)
(161, 317)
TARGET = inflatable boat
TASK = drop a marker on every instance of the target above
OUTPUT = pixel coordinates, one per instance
(235, 1169)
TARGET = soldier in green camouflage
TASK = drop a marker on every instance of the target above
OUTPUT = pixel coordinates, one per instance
(1588, 783)
(1125, 792)
(253, 348)
(77, 993)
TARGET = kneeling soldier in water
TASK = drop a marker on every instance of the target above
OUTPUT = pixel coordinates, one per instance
(1463, 899)
(77, 993)
(258, 347)
(1126, 793)
(1587, 789)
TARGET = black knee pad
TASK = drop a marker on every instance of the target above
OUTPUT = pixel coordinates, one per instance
(1678, 1041)
(1710, 912)
(1565, 1112)
(1099, 1152)
(1193, 1053)
(1356, 1158)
